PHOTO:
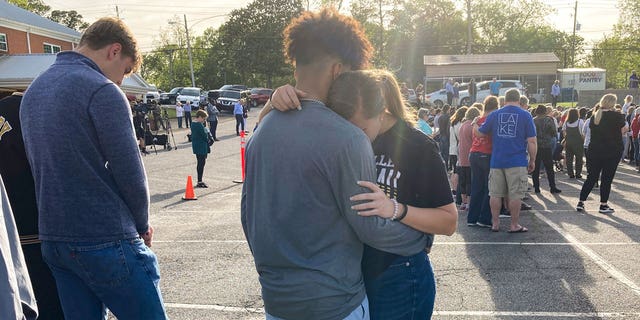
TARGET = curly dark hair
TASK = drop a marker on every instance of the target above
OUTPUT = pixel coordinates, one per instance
(314, 35)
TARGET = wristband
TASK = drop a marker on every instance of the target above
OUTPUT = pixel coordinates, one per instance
(395, 210)
(404, 212)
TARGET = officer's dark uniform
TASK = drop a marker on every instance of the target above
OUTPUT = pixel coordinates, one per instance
(16, 173)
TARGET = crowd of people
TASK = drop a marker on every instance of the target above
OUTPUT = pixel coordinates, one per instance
(564, 144)
(373, 183)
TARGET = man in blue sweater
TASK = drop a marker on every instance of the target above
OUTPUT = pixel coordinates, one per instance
(91, 188)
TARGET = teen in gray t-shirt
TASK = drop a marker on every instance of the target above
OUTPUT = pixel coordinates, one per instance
(307, 243)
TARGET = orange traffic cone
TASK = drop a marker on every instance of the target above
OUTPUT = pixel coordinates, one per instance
(189, 194)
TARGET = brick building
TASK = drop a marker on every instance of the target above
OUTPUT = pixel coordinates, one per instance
(28, 44)
(24, 32)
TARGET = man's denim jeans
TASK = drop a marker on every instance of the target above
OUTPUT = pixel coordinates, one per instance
(122, 276)
(360, 313)
(405, 290)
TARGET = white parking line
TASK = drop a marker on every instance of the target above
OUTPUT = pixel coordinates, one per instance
(213, 307)
(581, 315)
(447, 243)
(606, 266)
(435, 313)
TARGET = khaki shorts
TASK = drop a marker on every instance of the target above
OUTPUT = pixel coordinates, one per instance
(512, 182)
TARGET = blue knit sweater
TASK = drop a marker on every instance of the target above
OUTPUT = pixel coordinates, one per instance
(79, 138)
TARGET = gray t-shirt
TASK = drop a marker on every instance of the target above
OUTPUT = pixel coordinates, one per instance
(307, 243)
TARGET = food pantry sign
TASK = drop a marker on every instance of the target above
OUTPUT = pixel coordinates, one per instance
(583, 78)
(591, 77)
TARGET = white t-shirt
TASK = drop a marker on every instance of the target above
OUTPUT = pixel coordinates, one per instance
(454, 133)
(586, 132)
(179, 111)
(579, 123)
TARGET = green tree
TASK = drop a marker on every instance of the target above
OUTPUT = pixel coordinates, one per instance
(618, 53)
(251, 39)
(36, 6)
(610, 54)
(71, 19)
(423, 27)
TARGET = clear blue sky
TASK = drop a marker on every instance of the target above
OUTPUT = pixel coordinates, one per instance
(147, 17)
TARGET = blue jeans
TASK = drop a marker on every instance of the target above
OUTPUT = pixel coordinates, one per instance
(625, 145)
(636, 151)
(479, 209)
(179, 122)
(119, 275)
(405, 290)
(360, 313)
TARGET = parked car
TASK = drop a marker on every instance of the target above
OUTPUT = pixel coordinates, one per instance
(152, 96)
(190, 94)
(439, 98)
(258, 96)
(234, 87)
(213, 95)
(228, 98)
(412, 98)
(483, 88)
(171, 96)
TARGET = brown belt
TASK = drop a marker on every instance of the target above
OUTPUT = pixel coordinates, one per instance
(29, 239)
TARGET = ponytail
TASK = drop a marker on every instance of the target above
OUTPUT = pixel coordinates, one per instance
(606, 103)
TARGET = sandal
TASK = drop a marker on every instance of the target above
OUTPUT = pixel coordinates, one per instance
(519, 230)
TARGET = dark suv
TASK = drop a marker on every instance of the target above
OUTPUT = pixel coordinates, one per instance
(170, 97)
(228, 98)
(234, 87)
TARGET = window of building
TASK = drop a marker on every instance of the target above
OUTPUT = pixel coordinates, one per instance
(51, 48)
(3, 42)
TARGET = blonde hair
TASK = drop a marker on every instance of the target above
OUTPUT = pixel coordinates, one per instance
(472, 113)
(607, 102)
(394, 103)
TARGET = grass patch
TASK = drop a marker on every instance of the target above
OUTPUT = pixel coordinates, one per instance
(567, 104)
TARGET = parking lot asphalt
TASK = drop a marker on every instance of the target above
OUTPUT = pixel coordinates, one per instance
(569, 265)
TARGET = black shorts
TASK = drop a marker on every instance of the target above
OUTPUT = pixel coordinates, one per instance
(464, 180)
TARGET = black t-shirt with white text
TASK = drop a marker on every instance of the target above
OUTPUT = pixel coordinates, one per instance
(409, 169)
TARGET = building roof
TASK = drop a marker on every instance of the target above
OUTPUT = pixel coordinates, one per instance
(18, 71)
(578, 70)
(10, 12)
(440, 60)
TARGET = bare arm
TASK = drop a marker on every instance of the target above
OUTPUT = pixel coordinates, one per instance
(284, 98)
(441, 220)
(532, 148)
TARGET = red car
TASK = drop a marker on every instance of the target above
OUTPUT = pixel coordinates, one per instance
(259, 96)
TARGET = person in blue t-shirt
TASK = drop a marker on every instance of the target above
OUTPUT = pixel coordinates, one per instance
(513, 134)
(494, 87)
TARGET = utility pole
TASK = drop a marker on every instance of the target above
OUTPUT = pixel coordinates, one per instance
(469, 27)
(193, 80)
(381, 44)
(117, 12)
(573, 40)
